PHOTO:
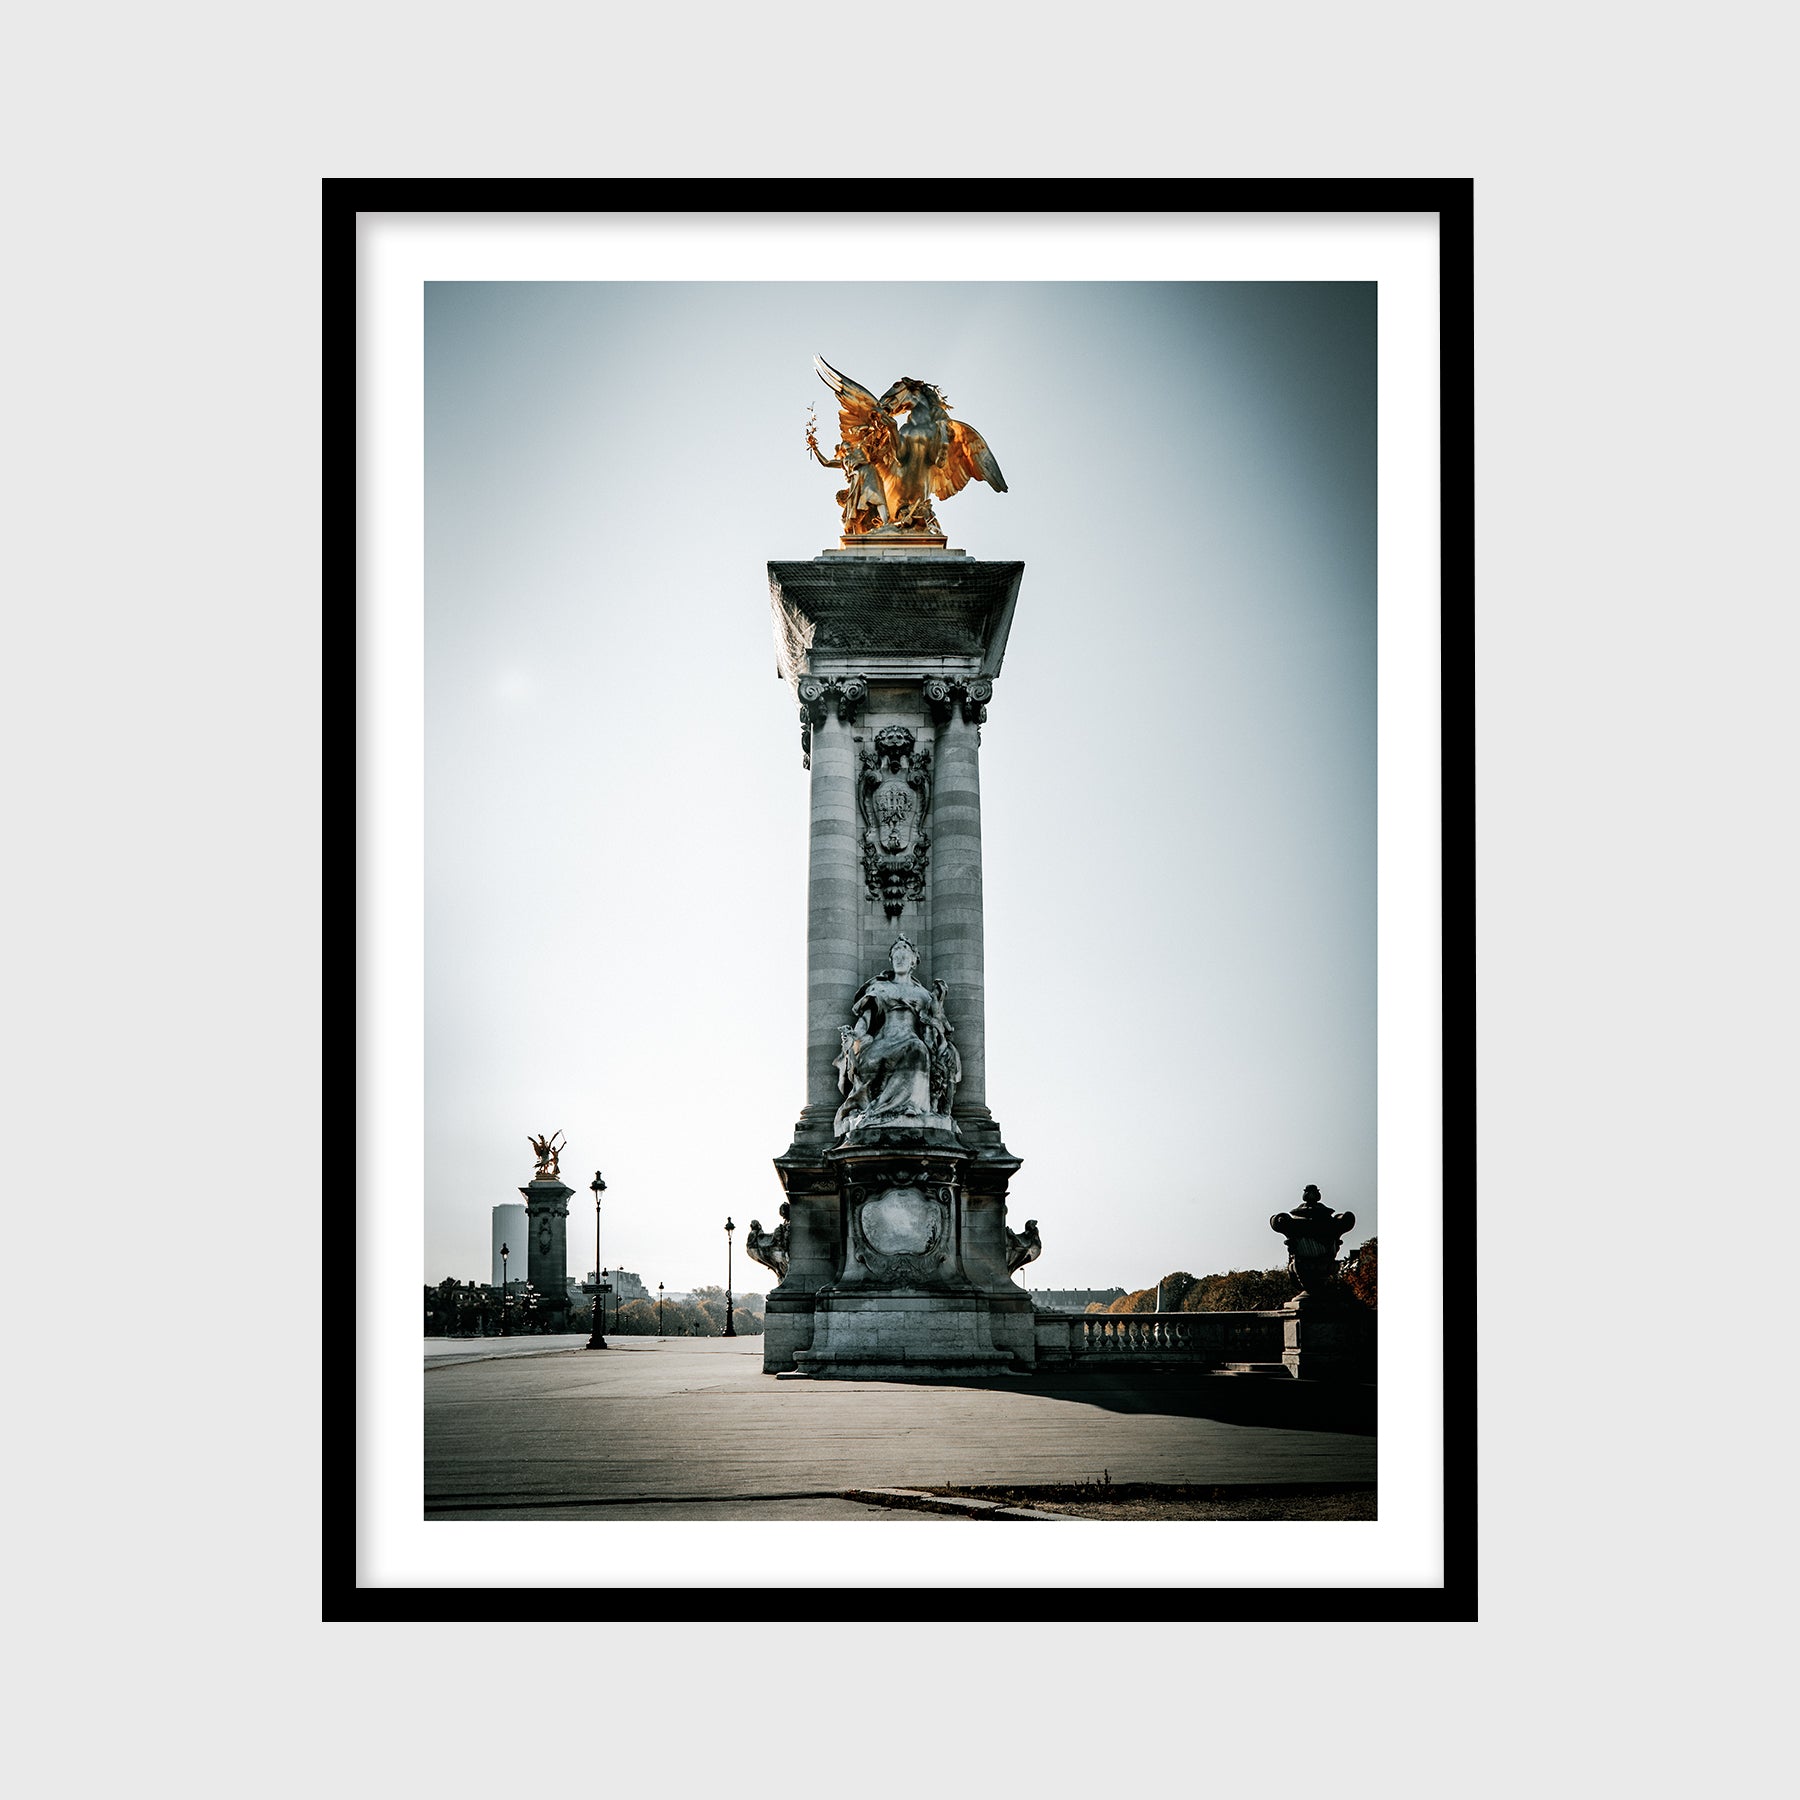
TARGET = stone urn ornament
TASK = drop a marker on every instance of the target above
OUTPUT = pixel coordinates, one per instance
(1314, 1233)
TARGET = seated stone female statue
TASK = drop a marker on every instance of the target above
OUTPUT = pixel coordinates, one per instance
(897, 1041)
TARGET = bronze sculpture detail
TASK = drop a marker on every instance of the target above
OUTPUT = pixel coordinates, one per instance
(898, 454)
(548, 1150)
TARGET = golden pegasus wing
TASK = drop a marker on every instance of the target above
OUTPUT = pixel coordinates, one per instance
(968, 459)
(861, 421)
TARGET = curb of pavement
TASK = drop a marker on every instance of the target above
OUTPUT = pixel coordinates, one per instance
(916, 1500)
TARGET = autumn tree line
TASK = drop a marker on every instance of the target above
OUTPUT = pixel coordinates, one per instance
(466, 1309)
(1243, 1290)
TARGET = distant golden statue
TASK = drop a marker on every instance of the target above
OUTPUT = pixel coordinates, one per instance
(898, 454)
(548, 1150)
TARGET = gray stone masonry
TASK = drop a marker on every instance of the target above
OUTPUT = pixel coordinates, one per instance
(547, 1222)
(909, 643)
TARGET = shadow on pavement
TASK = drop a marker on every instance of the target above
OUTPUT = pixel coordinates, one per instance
(1229, 1399)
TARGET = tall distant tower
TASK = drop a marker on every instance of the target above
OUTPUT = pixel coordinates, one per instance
(509, 1229)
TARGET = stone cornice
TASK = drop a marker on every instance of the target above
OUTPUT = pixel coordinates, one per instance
(941, 605)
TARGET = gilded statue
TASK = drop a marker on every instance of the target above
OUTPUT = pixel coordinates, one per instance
(898, 1059)
(898, 454)
(548, 1150)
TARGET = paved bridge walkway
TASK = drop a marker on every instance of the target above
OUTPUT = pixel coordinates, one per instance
(692, 1428)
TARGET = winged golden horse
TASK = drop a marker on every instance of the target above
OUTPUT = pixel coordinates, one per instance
(899, 453)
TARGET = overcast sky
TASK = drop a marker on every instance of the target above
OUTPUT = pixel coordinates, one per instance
(1178, 770)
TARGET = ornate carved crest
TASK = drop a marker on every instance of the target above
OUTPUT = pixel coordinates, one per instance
(901, 1220)
(894, 795)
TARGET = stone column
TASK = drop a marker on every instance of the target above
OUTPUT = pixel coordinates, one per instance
(834, 892)
(956, 911)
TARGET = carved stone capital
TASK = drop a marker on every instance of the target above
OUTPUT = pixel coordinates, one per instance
(848, 694)
(944, 694)
(819, 695)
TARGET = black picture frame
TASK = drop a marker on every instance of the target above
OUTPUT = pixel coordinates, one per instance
(344, 1597)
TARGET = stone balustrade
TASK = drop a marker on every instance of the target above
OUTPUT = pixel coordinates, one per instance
(1207, 1338)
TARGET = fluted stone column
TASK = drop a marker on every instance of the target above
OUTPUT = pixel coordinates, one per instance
(833, 893)
(956, 903)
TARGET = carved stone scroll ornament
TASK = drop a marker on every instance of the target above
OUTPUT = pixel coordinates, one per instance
(1022, 1247)
(894, 796)
(944, 694)
(819, 695)
(770, 1248)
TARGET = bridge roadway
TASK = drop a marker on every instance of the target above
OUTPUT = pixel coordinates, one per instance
(671, 1428)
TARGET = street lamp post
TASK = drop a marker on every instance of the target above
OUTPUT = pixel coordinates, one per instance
(504, 1254)
(730, 1329)
(597, 1341)
(659, 1301)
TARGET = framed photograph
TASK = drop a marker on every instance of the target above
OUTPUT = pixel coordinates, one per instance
(913, 884)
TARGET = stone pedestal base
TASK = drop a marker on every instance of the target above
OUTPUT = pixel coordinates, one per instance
(1324, 1338)
(903, 1337)
(897, 1273)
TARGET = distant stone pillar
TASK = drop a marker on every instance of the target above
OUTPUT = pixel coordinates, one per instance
(547, 1241)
